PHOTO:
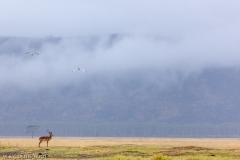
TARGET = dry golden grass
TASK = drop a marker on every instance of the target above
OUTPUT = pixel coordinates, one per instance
(216, 143)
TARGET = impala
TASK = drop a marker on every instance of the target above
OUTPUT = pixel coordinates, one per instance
(46, 138)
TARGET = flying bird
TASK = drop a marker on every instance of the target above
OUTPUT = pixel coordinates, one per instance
(78, 69)
(32, 53)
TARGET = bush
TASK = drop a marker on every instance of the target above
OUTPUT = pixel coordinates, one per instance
(160, 157)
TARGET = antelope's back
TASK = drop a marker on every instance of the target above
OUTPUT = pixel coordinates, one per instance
(44, 137)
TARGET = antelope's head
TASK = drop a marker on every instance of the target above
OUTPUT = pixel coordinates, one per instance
(50, 133)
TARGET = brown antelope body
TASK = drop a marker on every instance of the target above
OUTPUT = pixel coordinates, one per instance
(45, 138)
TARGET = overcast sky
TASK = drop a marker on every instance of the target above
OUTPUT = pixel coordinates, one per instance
(154, 34)
(88, 17)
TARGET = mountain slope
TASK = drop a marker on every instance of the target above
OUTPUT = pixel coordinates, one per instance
(210, 97)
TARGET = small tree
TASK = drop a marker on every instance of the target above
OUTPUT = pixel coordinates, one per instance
(32, 129)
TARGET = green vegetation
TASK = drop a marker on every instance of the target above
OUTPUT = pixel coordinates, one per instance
(123, 152)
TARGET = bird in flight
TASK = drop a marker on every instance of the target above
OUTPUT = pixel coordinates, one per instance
(78, 69)
(32, 53)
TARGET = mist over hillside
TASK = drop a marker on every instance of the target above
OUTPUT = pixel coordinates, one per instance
(211, 97)
(117, 86)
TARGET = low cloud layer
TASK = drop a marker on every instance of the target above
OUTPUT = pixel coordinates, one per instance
(103, 56)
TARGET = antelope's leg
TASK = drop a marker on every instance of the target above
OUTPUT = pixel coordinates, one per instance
(40, 143)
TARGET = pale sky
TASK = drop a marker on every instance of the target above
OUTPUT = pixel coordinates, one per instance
(89, 17)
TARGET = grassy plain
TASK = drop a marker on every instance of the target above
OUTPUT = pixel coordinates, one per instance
(121, 148)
